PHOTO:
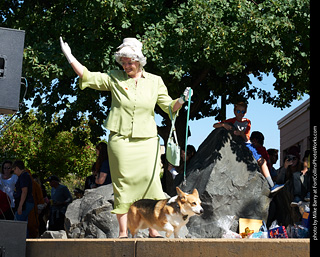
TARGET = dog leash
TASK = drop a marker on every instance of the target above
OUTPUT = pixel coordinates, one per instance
(186, 141)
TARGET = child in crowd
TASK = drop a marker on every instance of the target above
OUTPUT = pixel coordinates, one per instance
(273, 154)
(257, 139)
(243, 126)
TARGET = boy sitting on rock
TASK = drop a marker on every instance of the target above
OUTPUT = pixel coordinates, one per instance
(243, 126)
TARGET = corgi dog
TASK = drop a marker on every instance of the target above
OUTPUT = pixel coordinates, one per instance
(164, 215)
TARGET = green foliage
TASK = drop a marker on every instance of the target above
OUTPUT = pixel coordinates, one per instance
(232, 39)
(210, 45)
(46, 154)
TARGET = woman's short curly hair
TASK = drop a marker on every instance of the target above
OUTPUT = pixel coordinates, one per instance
(131, 48)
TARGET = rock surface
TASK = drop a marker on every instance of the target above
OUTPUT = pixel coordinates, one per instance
(229, 183)
(90, 216)
(61, 234)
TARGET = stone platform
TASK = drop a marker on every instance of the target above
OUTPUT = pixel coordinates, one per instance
(144, 247)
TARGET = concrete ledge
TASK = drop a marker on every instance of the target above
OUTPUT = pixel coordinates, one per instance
(144, 247)
(80, 247)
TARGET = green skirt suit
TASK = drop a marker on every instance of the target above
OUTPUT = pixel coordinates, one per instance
(133, 145)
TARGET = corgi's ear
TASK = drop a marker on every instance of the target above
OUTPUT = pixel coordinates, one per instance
(195, 192)
(180, 192)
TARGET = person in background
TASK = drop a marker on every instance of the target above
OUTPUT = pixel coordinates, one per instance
(23, 194)
(273, 154)
(91, 180)
(306, 174)
(8, 182)
(257, 139)
(43, 206)
(191, 151)
(78, 193)
(293, 170)
(103, 176)
(60, 199)
(33, 219)
(173, 176)
(6, 212)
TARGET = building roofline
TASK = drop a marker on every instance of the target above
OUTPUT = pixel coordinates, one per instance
(294, 113)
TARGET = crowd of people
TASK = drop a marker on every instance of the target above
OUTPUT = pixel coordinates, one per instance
(24, 198)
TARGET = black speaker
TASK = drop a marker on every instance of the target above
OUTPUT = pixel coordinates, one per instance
(11, 54)
(13, 238)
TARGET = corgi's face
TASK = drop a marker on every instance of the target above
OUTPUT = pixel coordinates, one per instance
(190, 203)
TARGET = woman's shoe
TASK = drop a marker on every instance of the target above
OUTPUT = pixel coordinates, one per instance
(156, 236)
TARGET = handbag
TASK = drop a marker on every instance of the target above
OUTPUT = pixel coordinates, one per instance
(173, 148)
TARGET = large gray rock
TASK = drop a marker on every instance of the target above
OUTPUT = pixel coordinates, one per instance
(90, 216)
(229, 183)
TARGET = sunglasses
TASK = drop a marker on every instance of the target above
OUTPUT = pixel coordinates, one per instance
(243, 112)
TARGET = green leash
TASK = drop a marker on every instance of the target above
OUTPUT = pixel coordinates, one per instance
(186, 144)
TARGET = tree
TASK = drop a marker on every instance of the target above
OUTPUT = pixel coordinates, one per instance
(45, 154)
(210, 45)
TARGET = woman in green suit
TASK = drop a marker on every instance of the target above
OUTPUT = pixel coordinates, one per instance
(133, 145)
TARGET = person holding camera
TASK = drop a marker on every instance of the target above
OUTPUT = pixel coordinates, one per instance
(294, 170)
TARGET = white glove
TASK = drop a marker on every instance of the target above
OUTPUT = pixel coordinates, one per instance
(67, 51)
(185, 96)
(173, 172)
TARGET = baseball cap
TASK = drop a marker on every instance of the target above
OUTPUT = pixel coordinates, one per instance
(53, 178)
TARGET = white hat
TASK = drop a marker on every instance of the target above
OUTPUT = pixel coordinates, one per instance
(131, 48)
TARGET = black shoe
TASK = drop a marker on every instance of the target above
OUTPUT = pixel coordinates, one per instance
(156, 236)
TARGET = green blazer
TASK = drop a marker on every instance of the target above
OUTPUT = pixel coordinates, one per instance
(132, 107)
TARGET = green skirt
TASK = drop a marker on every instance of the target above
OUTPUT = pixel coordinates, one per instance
(135, 170)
